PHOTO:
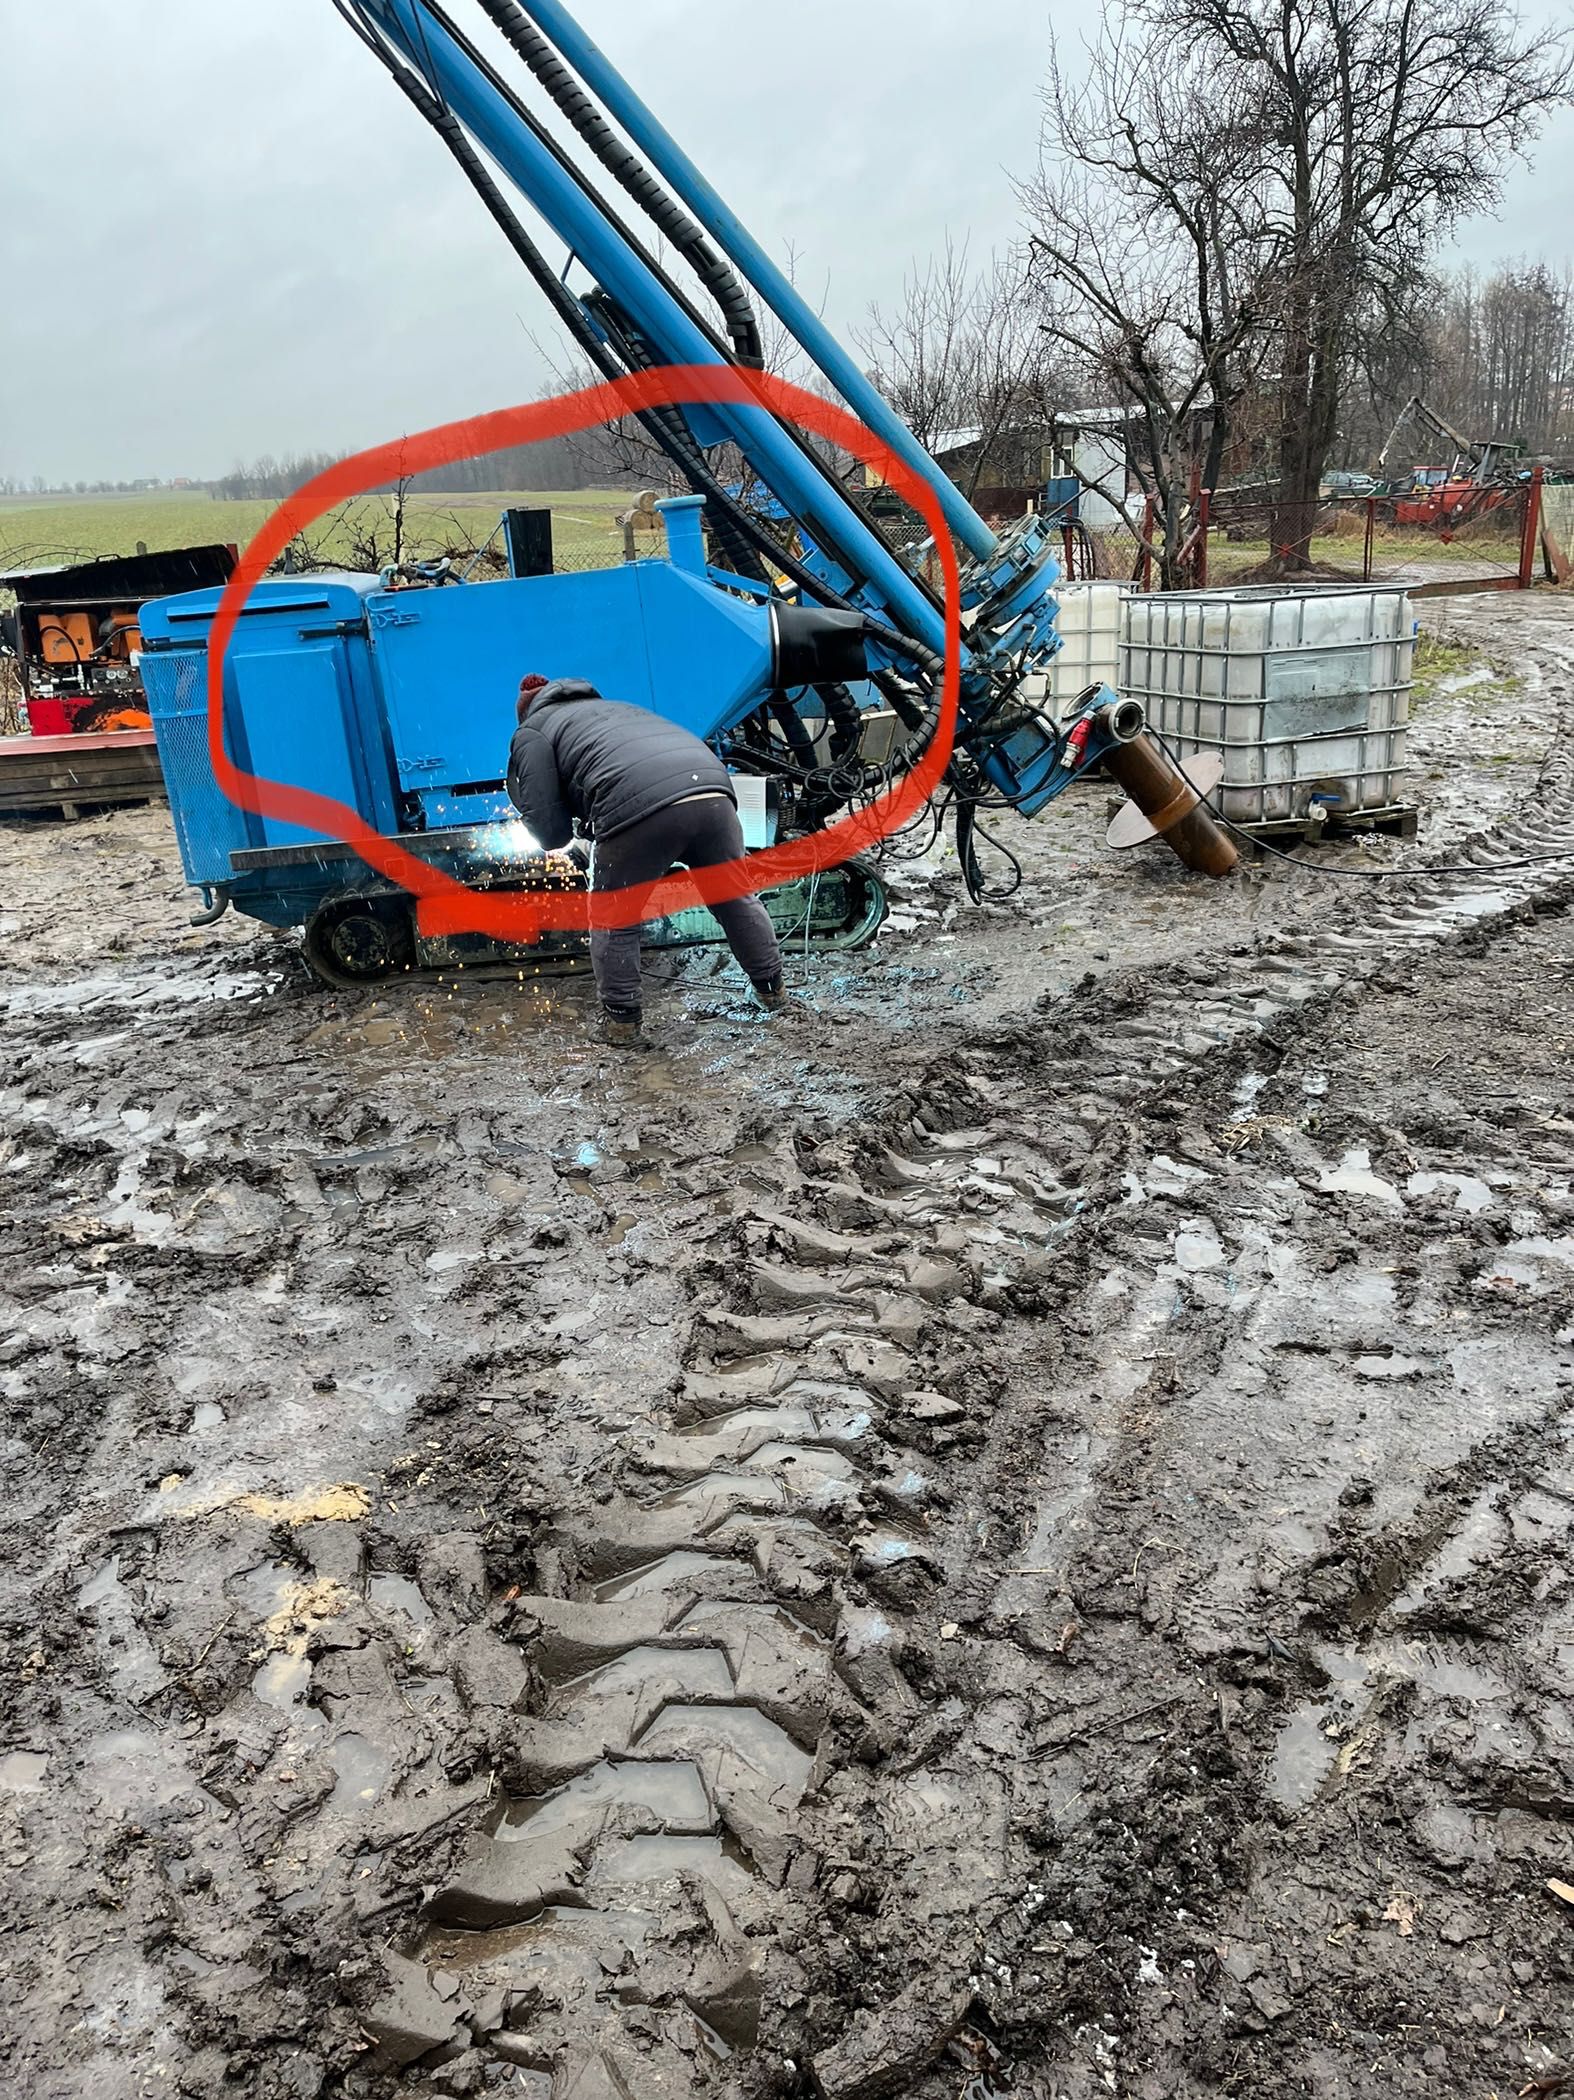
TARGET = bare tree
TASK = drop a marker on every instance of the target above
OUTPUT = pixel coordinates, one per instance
(1378, 124)
(965, 355)
(1146, 241)
(1240, 202)
(1500, 358)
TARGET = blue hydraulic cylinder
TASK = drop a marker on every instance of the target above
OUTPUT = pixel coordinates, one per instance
(834, 522)
(771, 282)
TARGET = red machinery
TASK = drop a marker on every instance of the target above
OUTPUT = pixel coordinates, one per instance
(1471, 487)
(74, 634)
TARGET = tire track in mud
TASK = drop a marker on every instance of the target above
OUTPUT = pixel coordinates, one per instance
(743, 1624)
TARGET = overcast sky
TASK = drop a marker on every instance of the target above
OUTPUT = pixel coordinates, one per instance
(225, 233)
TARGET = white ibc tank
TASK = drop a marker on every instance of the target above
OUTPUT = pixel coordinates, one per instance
(1089, 621)
(1304, 693)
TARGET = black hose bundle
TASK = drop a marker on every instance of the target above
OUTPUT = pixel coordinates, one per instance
(663, 209)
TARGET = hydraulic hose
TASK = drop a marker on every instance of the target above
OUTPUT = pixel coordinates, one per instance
(684, 455)
(625, 167)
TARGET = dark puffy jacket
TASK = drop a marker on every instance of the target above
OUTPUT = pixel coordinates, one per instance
(602, 764)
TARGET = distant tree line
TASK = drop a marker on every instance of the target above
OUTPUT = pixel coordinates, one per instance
(37, 485)
(559, 463)
(1493, 354)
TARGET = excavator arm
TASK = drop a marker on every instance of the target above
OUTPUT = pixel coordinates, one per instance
(1431, 420)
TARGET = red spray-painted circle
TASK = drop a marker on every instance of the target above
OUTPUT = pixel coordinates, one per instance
(445, 905)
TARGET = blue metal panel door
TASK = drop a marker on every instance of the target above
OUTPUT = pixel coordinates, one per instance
(297, 724)
(449, 662)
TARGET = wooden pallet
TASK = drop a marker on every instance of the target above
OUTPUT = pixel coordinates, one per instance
(1400, 820)
(65, 775)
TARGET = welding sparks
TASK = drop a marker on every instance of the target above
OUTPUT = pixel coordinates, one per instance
(508, 839)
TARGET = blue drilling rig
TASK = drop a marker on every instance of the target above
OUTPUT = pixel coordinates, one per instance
(781, 624)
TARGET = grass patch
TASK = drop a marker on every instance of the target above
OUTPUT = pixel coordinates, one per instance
(35, 533)
(1437, 660)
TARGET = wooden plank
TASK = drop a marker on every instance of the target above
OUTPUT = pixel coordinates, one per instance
(68, 773)
(1462, 589)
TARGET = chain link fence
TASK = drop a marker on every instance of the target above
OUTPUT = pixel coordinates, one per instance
(1478, 537)
(1432, 540)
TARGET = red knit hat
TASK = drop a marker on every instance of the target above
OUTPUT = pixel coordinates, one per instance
(528, 688)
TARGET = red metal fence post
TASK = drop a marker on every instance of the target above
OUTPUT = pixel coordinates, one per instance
(1531, 535)
(1371, 534)
(1149, 512)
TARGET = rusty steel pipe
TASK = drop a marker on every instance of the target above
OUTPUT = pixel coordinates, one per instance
(1172, 806)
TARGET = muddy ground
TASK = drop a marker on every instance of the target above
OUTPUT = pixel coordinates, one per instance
(1006, 1534)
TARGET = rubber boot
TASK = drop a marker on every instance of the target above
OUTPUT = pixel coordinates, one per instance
(622, 1029)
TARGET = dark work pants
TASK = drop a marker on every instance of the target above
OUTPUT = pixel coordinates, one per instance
(703, 832)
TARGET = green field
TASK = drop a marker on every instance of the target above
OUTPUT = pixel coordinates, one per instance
(37, 531)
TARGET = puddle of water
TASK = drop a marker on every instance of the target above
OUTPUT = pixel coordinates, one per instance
(1197, 1247)
(99, 1588)
(22, 1771)
(1390, 1366)
(701, 1673)
(657, 1576)
(669, 1789)
(129, 1770)
(706, 1611)
(887, 1549)
(282, 1681)
(1354, 1177)
(447, 1259)
(1303, 1757)
(803, 1469)
(193, 1963)
(638, 1862)
(1168, 1177)
(749, 1734)
(1523, 1261)
(264, 1590)
(362, 1768)
(398, 1593)
(734, 1429)
(1477, 1537)
(162, 987)
(561, 1946)
(429, 1146)
(1249, 1086)
(753, 1490)
(1470, 1194)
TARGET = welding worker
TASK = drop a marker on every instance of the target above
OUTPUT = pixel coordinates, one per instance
(651, 797)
